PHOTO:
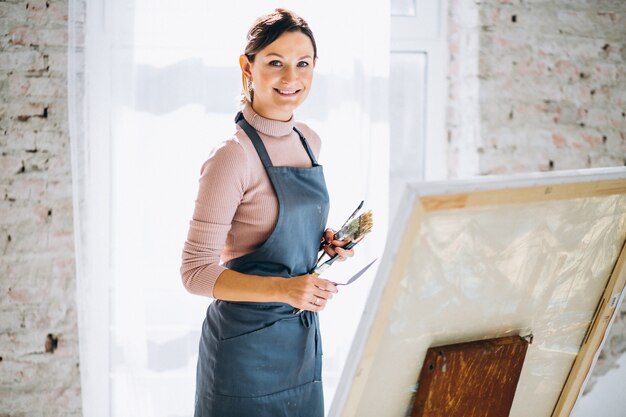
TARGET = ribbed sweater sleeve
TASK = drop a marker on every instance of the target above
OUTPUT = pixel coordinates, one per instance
(236, 207)
(222, 184)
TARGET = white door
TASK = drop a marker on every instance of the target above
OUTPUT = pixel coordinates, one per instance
(417, 94)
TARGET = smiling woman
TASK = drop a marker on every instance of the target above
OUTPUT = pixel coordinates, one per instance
(256, 357)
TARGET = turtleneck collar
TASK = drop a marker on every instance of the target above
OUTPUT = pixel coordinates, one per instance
(268, 127)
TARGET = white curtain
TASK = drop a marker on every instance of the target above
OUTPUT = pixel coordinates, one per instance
(160, 90)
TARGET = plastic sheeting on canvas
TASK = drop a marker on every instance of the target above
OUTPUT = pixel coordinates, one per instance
(484, 272)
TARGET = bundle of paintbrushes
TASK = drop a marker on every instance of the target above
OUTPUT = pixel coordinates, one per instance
(354, 229)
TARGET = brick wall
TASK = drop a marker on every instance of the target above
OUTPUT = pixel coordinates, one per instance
(538, 85)
(546, 80)
(39, 373)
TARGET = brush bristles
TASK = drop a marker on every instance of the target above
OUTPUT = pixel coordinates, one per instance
(357, 228)
(365, 224)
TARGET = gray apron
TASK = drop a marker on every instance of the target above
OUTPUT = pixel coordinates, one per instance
(259, 359)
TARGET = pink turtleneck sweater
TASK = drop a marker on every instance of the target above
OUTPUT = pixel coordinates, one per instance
(236, 208)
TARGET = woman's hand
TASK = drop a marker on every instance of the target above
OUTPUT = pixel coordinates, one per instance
(332, 246)
(307, 292)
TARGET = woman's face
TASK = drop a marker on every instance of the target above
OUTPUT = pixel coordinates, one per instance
(281, 75)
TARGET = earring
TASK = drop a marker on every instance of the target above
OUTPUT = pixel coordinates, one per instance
(247, 87)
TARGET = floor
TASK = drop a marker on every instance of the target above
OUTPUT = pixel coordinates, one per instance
(607, 398)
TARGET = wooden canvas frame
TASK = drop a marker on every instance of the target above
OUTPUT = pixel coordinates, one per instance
(607, 308)
(425, 198)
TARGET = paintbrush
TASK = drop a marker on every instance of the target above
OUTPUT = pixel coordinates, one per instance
(353, 230)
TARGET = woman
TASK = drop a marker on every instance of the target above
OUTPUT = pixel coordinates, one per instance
(262, 208)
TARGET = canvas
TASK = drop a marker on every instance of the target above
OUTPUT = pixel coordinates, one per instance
(538, 254)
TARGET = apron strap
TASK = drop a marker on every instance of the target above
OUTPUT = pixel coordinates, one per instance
(307, 147)
(318, 349)
(260, 147)
(308, 319)
(255, 138)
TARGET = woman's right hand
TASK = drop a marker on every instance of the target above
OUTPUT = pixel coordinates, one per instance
(307, 292)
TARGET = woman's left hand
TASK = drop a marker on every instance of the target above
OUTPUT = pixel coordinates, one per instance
(332, 246)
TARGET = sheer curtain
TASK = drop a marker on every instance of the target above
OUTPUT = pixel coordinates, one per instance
(160, 90)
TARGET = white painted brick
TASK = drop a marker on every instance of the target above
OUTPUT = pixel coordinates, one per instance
(38, 36)
(36, 86)
(34, 270)
(57, 61)
(11, 320)
(25, 109)
(28, 60)
(25, 187)
(605, 160)
(59, 188)
(25, 140)
(579, 23)
(12, 11)
(16, 293)
(45, 319)
(45, 13)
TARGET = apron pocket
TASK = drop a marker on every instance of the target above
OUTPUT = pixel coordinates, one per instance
(303, 401)
(266, 361)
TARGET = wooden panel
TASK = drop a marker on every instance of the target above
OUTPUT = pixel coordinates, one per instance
(475, 379)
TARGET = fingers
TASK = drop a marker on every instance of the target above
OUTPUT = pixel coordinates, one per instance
(338, 250)
(344, 253)
(317, 304)
(340, 243)
(322, 294)
(329, 250)
(327, 239)
(310, 292)
(319, 301)
(324, 286)
(333, 247)
(329, 235)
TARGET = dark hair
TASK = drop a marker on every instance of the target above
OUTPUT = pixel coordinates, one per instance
(265, 30)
